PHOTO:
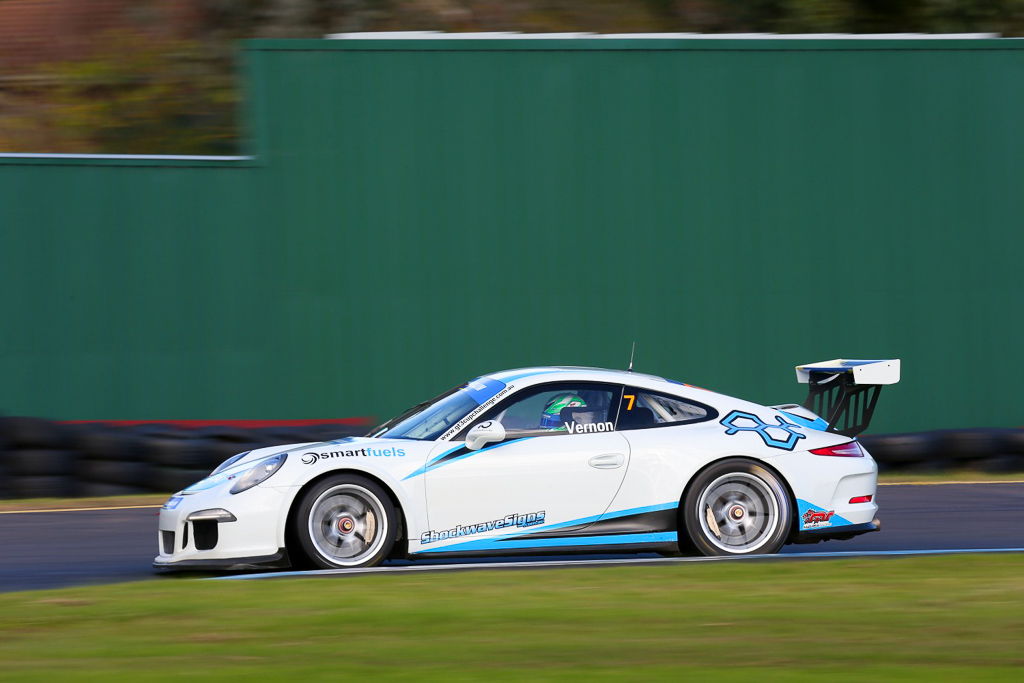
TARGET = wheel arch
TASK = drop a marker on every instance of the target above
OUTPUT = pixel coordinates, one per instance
(291, 543)
(684, 537)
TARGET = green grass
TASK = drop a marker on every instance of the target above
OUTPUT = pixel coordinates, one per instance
(859, 620)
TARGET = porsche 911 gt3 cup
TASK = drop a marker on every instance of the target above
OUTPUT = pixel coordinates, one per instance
(549, 459)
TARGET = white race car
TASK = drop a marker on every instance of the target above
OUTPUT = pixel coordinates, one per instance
(549, 459)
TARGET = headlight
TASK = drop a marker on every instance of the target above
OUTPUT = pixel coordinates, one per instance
(259, 472)
(229, 462)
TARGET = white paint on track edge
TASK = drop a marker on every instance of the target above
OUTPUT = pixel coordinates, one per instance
(604, 563)
(949, 483)
(96, 509)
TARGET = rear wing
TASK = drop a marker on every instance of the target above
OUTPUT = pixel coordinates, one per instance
(844, 392)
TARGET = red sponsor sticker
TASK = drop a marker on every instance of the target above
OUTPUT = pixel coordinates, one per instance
(817, 518)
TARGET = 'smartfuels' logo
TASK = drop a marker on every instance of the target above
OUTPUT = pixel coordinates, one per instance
(312, 457)
(514, 520)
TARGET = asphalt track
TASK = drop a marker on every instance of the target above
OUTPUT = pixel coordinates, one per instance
(69, 548)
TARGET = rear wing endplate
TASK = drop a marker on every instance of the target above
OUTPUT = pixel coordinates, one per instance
(844, 392)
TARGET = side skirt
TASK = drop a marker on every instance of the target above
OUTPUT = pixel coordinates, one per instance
(570, 550)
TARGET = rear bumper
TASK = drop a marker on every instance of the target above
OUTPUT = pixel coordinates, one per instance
(841, 533)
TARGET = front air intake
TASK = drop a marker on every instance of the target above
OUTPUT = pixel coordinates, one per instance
(167, 542)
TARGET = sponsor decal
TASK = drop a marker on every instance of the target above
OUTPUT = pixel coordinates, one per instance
(519, 520)
(781, 435)
(814, 519)
(486, 392)
(312, 457)
(576, 428)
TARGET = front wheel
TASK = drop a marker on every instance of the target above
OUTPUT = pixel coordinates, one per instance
(346, 522)
(737, 507)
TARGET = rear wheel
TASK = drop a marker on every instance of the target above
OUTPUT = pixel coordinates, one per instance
(346, 521)
(737, 507)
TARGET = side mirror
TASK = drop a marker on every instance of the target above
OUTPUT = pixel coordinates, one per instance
(483, 434)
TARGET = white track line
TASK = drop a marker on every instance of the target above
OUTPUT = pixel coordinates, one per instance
(585, 563)
(947, 483)
(119, 507)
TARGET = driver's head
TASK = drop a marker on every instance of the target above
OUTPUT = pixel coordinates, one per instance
(551, 418)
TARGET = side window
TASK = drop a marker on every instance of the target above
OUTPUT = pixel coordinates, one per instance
(557, 408)
(641, 409)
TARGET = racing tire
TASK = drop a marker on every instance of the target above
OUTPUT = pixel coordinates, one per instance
(33, 432)
(39, 463)
(346, 521)
(137, 475)
(185, 453)
(737, 507)
(42, 487)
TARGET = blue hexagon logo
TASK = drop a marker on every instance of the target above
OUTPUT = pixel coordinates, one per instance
(781, 435)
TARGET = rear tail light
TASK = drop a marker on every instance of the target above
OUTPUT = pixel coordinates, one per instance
(851, 449)
(861, 499)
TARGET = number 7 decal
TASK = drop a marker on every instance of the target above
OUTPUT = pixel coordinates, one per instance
(632, 398)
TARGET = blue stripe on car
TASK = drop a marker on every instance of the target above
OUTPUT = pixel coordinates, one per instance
(512, 541)
(439, 462)
(820, 424)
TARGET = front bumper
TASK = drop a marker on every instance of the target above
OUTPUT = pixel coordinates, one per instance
(254, 538)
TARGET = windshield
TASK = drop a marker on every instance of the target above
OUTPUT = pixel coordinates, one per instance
(429, 420)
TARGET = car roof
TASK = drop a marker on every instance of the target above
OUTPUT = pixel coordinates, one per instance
(577, 372)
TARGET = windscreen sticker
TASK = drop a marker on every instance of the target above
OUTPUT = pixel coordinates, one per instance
(782, 435)
(529, 373)
(484, 388)
(486, 392)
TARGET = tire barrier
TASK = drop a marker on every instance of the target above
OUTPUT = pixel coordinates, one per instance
(44, 459)
(983, 450)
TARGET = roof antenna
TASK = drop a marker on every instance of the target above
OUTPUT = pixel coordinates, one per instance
(631, 354)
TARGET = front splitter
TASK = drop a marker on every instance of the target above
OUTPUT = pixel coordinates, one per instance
(278, 560)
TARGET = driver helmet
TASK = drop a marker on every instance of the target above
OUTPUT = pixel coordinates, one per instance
(551, 418)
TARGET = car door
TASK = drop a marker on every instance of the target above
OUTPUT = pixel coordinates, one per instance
(561, 463)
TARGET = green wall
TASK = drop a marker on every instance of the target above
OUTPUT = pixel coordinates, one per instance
(415, 213)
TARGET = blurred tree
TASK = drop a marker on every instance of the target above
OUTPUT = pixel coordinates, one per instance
(134, 95)
(139, 93)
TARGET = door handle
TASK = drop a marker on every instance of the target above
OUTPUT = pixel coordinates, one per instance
(608, 461)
